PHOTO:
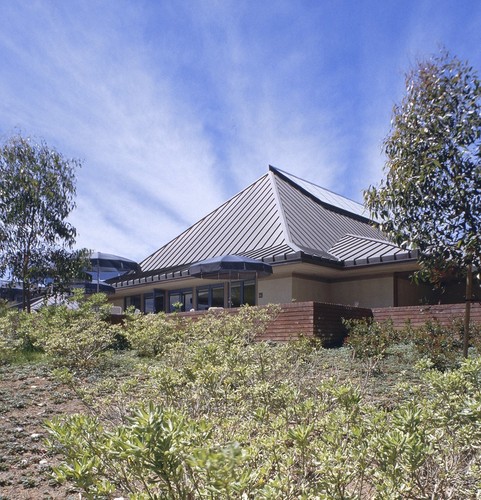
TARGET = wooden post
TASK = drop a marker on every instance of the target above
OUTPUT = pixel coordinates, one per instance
(467, 310)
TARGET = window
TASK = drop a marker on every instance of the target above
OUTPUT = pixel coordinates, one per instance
(249, 293)
(159, 301)
(149, 304)
(133, 300)
(217, 296)
(236, 294)
(210, 296)
(203, 298)
(182, 297)
(243, 292)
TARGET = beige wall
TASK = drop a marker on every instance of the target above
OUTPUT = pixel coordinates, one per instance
(360, 291)
(410, 294)
(368, 292)
(117, 301)
(374, 292)
(305, 289)
(274, 291)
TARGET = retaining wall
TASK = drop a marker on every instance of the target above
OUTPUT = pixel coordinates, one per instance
(306, 319)
(324, 321)
(418, 315)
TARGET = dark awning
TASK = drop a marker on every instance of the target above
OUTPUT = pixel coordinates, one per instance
(230, 267)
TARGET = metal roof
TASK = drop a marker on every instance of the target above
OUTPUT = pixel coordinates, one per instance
(315, 226)
(324, 196)
(277, 217)
(246, 224)
(354, 248)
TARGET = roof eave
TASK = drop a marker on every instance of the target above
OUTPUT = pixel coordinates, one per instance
(410, 255)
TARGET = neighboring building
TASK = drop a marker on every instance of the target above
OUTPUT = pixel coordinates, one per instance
(103, 266)
(322, 247)
(11, 292)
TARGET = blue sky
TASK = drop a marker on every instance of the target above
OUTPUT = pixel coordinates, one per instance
(175, 106)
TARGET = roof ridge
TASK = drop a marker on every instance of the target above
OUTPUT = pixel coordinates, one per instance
(275, 169)
(252, 216)
(197, 222)
(282, 215)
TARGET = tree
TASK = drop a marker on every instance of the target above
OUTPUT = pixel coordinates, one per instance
(37, 190)
(431, 196)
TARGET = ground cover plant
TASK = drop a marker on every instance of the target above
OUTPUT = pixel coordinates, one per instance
(201, 410)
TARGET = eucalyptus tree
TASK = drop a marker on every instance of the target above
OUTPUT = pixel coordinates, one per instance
(430, 198)
(37, 193)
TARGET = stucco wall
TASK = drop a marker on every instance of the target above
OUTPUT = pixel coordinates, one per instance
(375, 292)
(305, 289)
(274, 291)
(409, 293)
(117, 301)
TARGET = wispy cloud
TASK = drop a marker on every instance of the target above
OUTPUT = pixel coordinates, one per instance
(174, 107)
(148, 166)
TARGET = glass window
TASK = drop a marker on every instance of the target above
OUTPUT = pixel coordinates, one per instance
(159, 301)
(243, 292)
(203, 298)
(187, 301)
(182, 298)
(236, 294)
(149, 305)
(249, 295)
(210, 296)
(217, 296)
(133, 300)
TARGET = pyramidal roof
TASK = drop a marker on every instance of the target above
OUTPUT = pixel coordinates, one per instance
(279, 214)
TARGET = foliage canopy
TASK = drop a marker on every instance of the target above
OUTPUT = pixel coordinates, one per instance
(431, 196)
(37, 191)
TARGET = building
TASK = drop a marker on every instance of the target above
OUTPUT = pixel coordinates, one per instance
(322, 247)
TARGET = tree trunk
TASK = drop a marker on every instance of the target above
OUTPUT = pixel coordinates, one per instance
(467, 310)
(24, 297)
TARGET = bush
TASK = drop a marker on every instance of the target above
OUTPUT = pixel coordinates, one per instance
(75, 334)
(440, 344)
(223, 417)
(156, 454)
(16, 328)
(369, 340)
(329, 445)
(153, 334)
(245, 325)
(150, 334)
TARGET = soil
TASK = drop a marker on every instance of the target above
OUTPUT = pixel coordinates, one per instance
(29, 396)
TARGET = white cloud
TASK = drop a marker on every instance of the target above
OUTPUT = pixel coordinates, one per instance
(176, 106)
(148, 165)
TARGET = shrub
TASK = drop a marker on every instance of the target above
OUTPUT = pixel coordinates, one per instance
(369, 340)
(156, 454)
(16, 329)
(10, 340)
(244, 325)
(243, 422)
(440, 344)
(153, 334)
(150, 334)
(474, 333)
(75, 334)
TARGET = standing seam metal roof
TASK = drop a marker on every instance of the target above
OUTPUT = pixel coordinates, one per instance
(354, 247)
(312, 225)
(277, 215)
(249, 221)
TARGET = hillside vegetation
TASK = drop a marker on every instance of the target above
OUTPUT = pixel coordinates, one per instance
(169, 408)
